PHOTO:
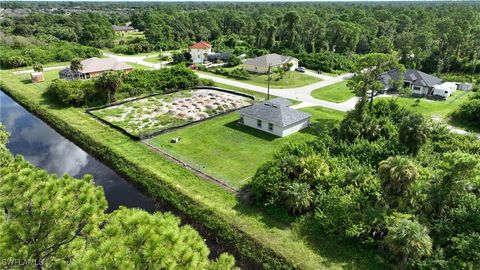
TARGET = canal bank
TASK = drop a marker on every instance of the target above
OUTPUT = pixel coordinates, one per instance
(262, 240)
(47, 149)
(57, 128)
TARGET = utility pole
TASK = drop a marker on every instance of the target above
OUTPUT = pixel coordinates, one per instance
(161, 61)
(268, 81)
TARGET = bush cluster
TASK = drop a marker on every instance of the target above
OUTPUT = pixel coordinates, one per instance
(469, 112)
(383, 180)
(20, 52)
(327, 61)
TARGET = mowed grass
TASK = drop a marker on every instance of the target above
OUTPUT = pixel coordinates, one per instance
(291, 79)
(337, 92)
(273, 232)
(138, 66)
(429, 108)
(154, 59)
(233, 152)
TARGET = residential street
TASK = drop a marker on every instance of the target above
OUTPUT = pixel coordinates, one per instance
(302, 94)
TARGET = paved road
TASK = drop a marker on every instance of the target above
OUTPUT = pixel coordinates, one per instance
(302, 94)
(138, 60)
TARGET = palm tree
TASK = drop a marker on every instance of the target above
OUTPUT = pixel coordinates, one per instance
(37, 67)
(413, 132)
(76, 64)
(313, 169)
(109, 81)
(407, 239)
(298, 197)
(397, 175)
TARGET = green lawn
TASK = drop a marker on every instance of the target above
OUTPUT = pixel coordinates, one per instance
(138, 66)
(152, 59)
(200, 200)
(429, 108)
(291, 79)
(241, 149)
(337, 92)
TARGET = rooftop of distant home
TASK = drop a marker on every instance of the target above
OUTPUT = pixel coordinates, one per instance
(200, 45)
(272, 59)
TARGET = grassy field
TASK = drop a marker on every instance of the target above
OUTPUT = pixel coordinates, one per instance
(291, 79)
(152, 59)
(337, 92)
(438, 108)
(241, 149)
(202, 201)
(138, 66)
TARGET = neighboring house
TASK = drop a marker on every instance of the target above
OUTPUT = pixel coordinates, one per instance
(199, 51)
(261, 63)
(93, 67)
(123, 28)
(275, 117)
(215, 57)
(421, 83)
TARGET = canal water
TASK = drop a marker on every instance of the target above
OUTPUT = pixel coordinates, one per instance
(46, 148)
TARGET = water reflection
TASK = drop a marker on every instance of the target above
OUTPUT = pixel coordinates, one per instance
(44, 147)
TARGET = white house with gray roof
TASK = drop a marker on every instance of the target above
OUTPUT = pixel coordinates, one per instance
(421, 83)
(261, 63)
(275, 117)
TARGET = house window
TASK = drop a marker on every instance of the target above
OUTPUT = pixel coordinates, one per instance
(270, 127)
(259, 123)
(417, 88)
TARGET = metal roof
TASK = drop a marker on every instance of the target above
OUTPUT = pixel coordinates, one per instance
(417, 77)
(272, 59)
(275, 111)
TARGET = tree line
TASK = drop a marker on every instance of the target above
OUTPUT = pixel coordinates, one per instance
(423, 36)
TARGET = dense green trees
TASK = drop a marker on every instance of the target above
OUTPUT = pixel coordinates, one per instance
(422, 35)
(57, 222)
(418, 208)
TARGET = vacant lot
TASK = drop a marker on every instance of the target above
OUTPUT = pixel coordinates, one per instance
(337, 92)
(232, 152)
(291, 79)
(156, 113)
(429, 108)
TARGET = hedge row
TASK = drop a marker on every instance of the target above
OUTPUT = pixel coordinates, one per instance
(239, 243)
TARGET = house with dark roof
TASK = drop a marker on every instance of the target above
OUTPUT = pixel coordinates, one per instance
(199, 51)
(421, 83)
(275, 117)
(93, 67)
(262, 63)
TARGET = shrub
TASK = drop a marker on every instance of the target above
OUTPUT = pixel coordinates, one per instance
(468, 112)
(76, 93)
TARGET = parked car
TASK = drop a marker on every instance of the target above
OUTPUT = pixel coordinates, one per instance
(193, 67)
(300, 69)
